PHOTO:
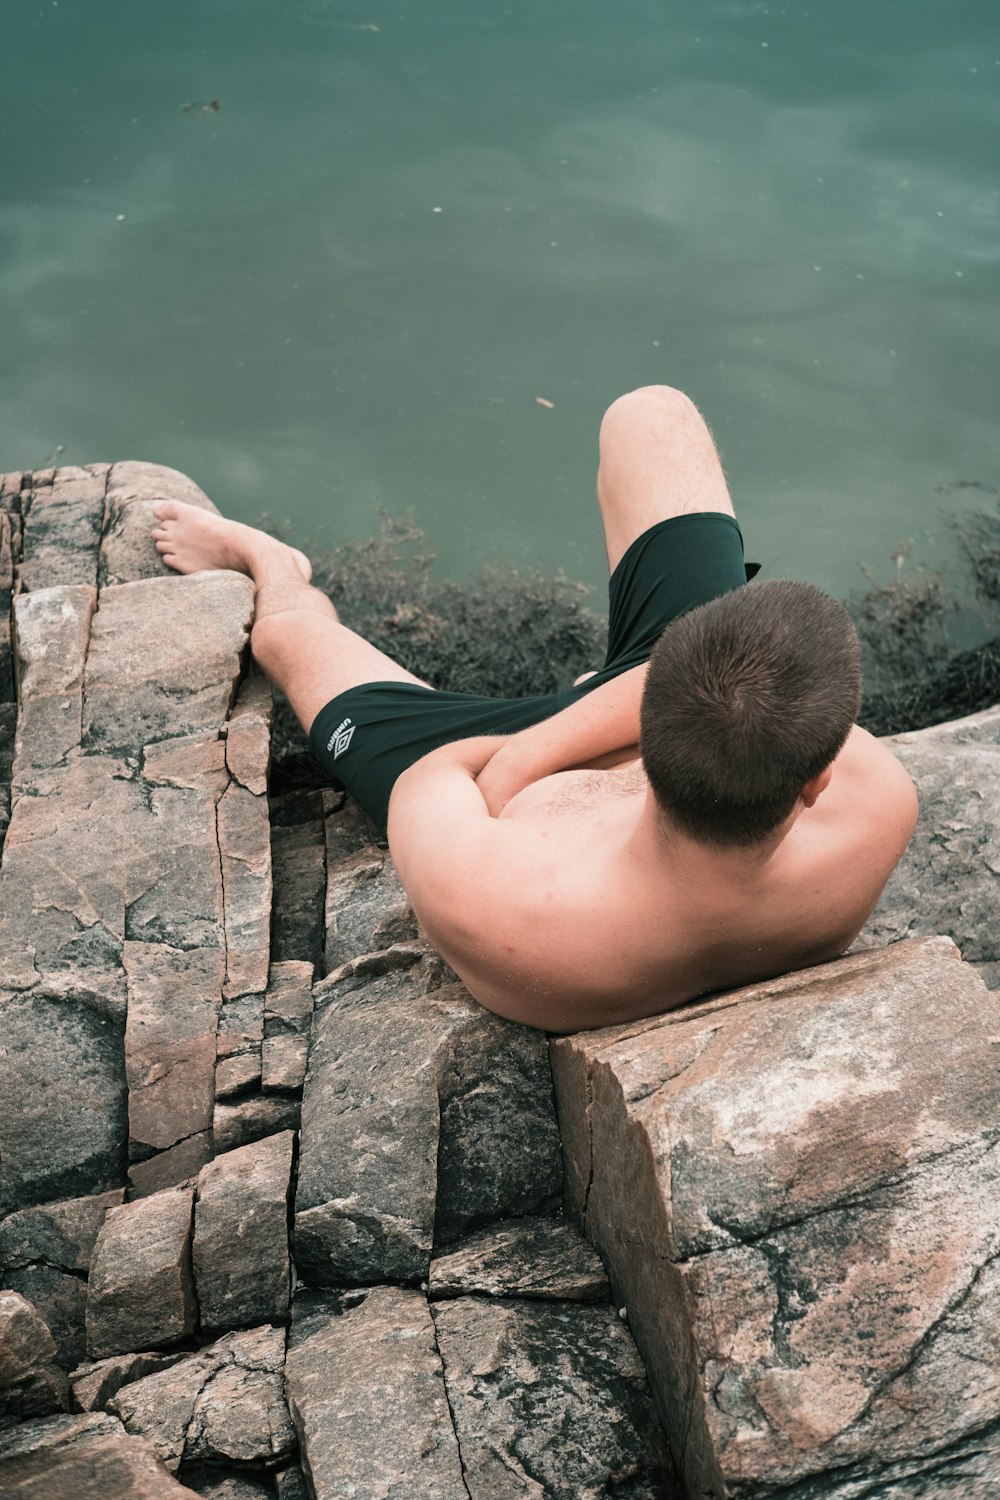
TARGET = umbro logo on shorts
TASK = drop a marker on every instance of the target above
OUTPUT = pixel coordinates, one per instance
(341, 738)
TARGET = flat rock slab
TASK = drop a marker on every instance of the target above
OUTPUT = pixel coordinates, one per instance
(422, 1114)
(95, 1384)
(164, 658)
(52, 633)
(536, 1257)
(367, 1394)
(62, 527)
(224, 1404)
(794, 1188)
(241, 1264)
(62, 1101)
(550, 1400)
(140, 1294)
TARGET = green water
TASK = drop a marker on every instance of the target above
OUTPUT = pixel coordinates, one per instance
(347, 286)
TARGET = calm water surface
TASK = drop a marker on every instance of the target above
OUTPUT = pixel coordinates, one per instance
(347, 286)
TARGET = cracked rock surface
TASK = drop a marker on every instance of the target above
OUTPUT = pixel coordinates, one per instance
(281, 1208)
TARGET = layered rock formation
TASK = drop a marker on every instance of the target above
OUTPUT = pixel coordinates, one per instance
(284, 1213)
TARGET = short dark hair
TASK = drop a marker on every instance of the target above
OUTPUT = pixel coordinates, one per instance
(747, 699)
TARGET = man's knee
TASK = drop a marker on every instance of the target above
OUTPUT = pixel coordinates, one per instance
(651, 409)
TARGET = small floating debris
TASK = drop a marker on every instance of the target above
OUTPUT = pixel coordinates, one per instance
(201, 107)
(543, 401)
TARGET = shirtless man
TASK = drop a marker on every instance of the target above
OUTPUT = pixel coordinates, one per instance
(568, 882)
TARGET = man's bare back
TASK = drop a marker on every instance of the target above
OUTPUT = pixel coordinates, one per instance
(572, 909)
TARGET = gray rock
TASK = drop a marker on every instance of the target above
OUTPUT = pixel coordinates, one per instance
(298, 864)
(95, 1384)
(254, 1118)
(947, 881)
(238, 1043)
(62, 1102)
(164, 658)
(367, 1396)
(52, 633)
(173, 1008)
(366, 907)
(540, 1257)
(127, 552)
(793, 1187)
(31, 1383)
(62, 528)
(225, 1403)
(178, 1164)
(290, 1484)
(417, 1106)
(140, 1293)
(208, 1483)
(241, 1265)
(550, 1399)
(61, 1234)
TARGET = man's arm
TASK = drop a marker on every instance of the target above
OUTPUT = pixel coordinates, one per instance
(438, 824)
(599, 729)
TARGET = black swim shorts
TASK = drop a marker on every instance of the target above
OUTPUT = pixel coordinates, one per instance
(367, 736)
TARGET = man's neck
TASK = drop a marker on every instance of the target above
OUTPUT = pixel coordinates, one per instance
(658, 839)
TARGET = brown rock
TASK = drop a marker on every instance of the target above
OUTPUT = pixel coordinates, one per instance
(164, 657)
(52, 630)
(98, 1467)
(245, 849)
(298, 863)
(795, 1196)
(140, 1293)
(127, 551)
(62, 528)
(254, 1118)
(541, 1257)
(248, 733)
(166, 1169)
(170, 1041)
(67, 860)
(241, 1265)
(550, 1399)
(367, 1396)
(287, 1024)
(31, 1384)
(237, 1073)
(62, 1101)
(224, 1403)
(95, 1384)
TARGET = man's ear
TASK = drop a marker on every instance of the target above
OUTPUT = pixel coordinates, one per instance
(819, 783)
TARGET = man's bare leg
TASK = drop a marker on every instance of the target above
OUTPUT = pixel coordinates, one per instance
(658, 460)
(297, 637)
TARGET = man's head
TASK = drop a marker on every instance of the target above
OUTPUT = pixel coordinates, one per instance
(748, 699)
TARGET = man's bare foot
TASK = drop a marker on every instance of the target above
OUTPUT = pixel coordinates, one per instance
(192, 540)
